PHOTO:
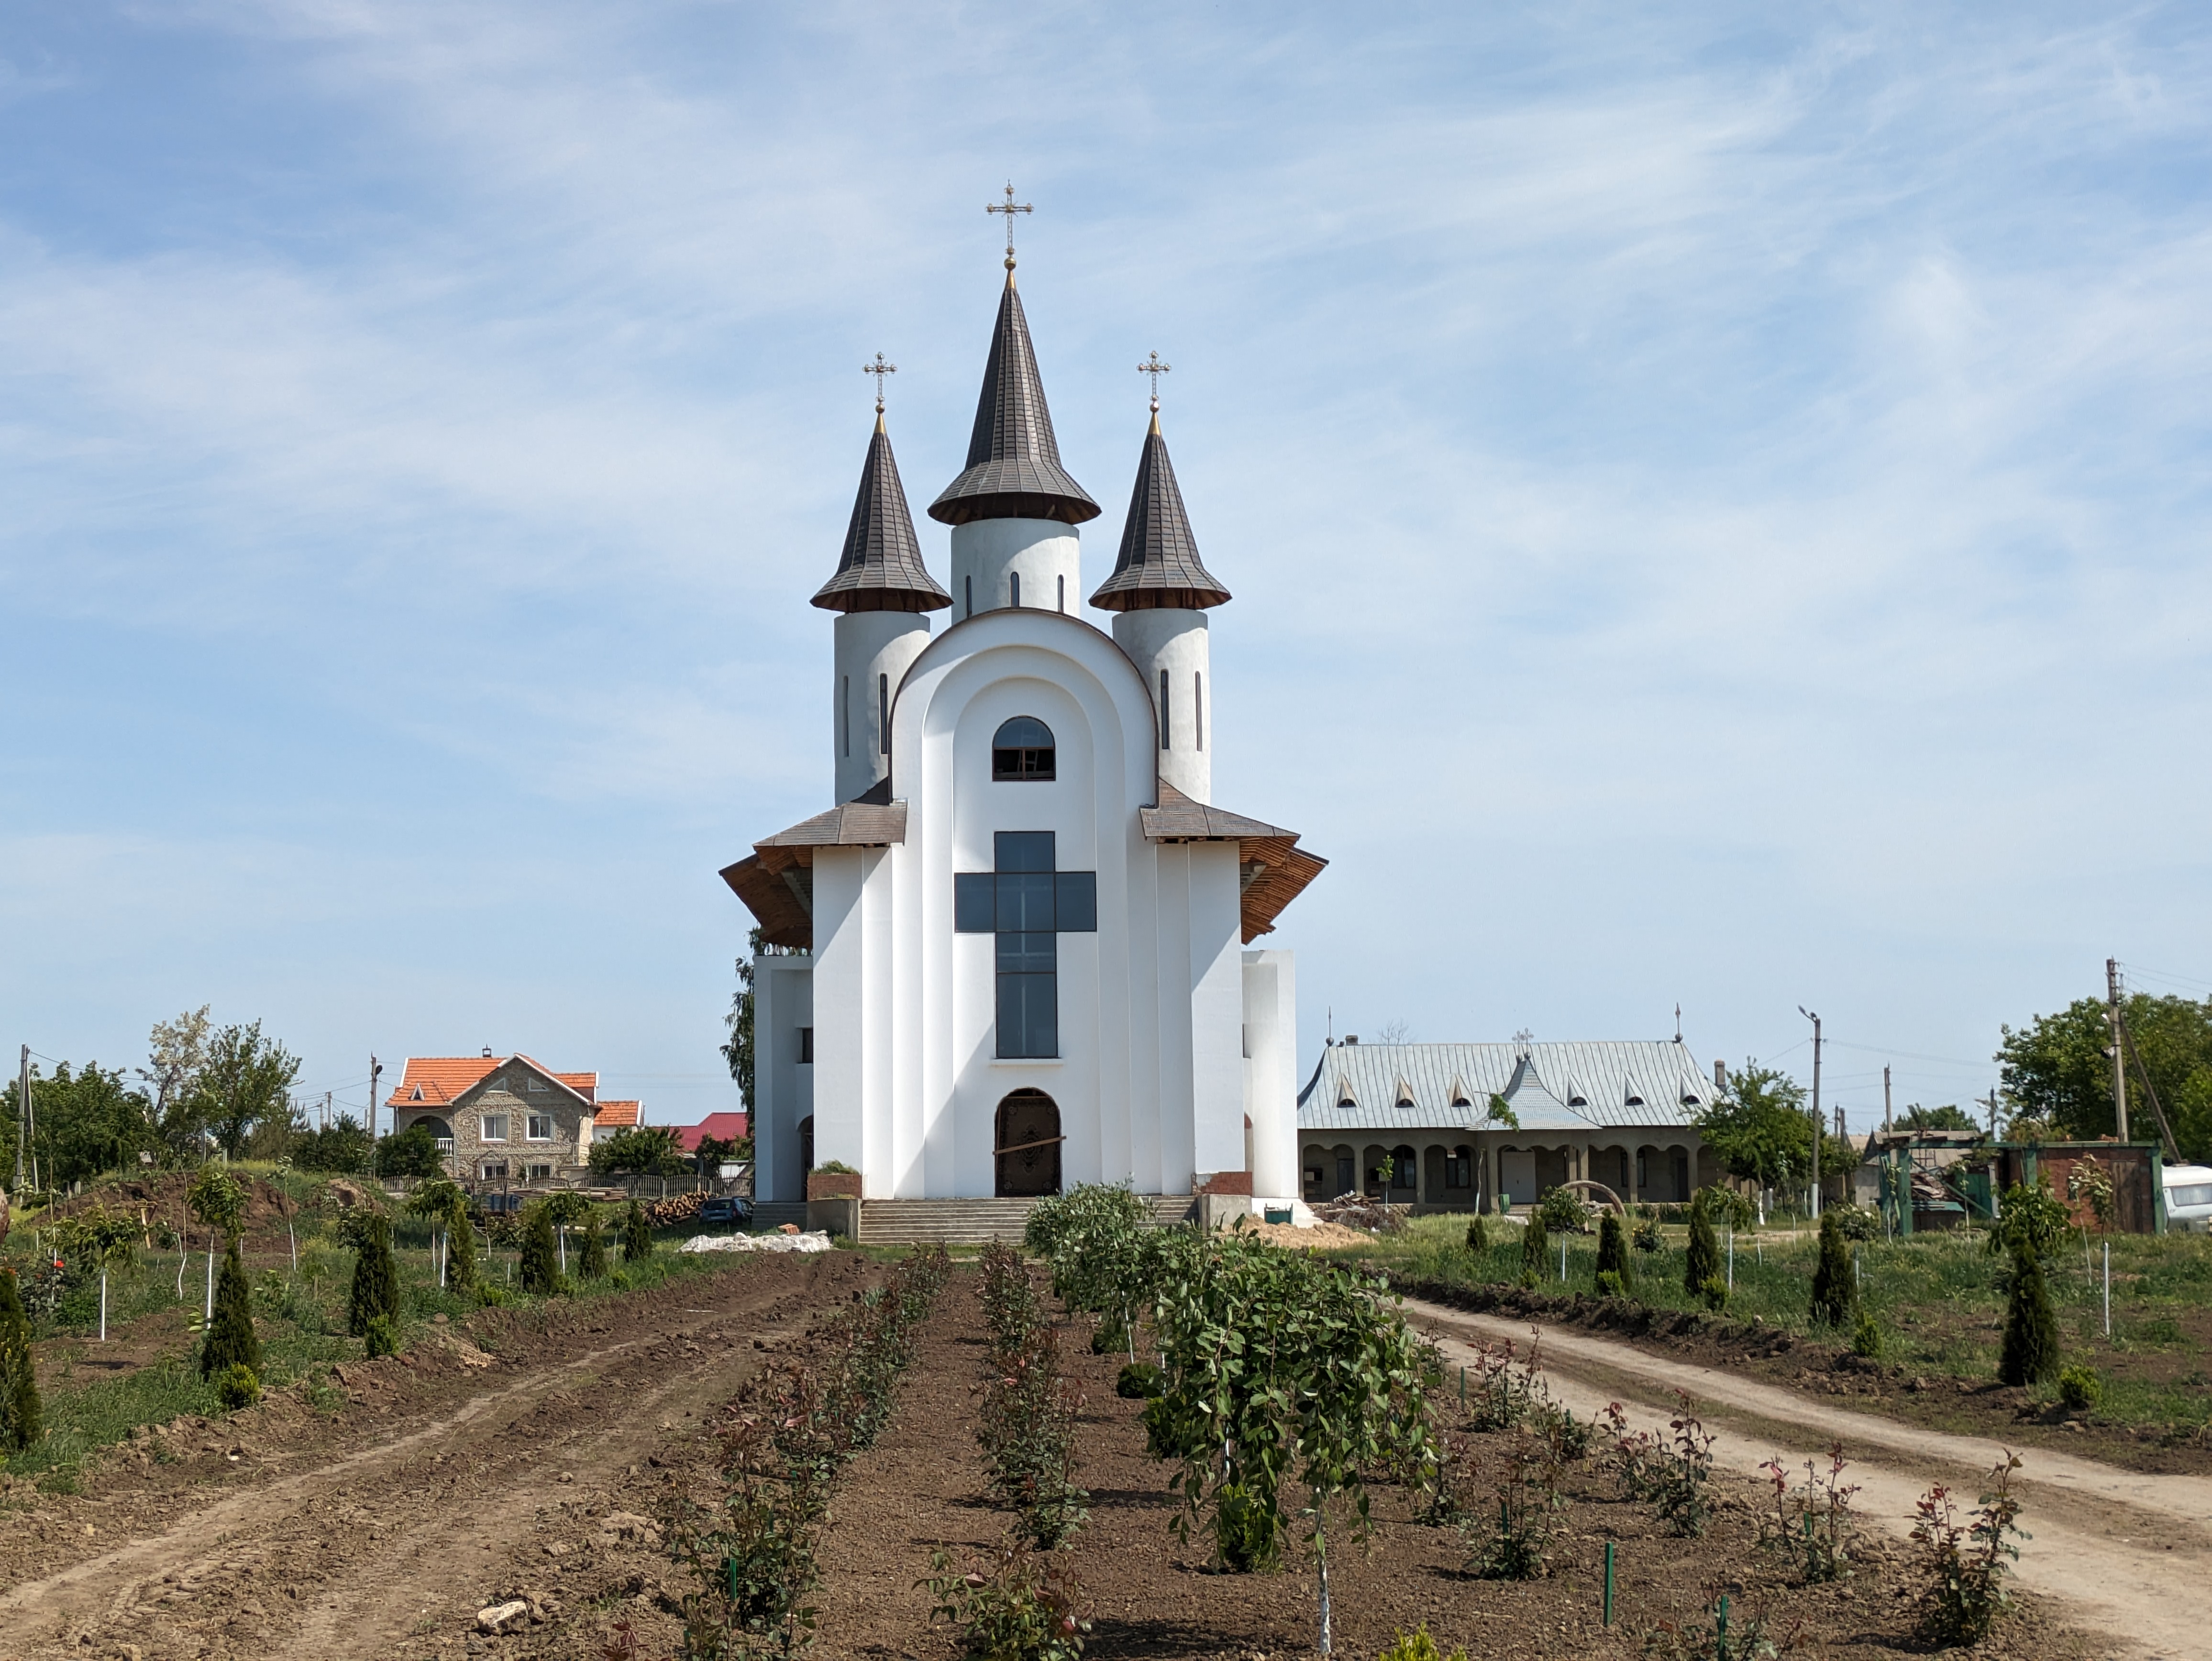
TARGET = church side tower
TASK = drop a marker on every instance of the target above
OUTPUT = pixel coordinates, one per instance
(882, 593)
(1014, 510)
(1159, 593)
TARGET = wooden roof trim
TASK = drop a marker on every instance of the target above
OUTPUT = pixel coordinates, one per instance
(784, 918)
(1179, 818)
(1285, 870)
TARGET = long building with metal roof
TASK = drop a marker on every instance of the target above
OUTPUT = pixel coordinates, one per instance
(1460, 1126)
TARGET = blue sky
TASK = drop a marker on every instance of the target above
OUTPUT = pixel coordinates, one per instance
(1716, 500)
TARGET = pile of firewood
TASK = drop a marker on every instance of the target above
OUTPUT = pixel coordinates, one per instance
(1358, 1211)
(676, 1208)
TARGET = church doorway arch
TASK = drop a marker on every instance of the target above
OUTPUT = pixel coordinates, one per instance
(1026, 1142)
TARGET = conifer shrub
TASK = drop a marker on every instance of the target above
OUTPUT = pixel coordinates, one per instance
(539, 1270)
(592, 1262)
(1477, 1234)
(1702, 1263)
(636, 1234)
(375, 1292)
(1835, 1294)
(461, 1251)
(2030, 1333)
(1535, 1246)
(381, 1336)
(237, 1386)
(2080, 1388)
(1613, 1252)
(22, 1416)
(231, 1340)
(1866, 1336)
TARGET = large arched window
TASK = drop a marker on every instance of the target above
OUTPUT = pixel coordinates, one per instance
(1021, 749)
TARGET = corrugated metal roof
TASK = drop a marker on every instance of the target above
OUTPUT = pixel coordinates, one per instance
(1550, 1086)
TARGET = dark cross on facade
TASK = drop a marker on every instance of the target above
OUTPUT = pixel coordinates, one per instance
(1028, 905)
(1009, 208)
(1155, 368)
(879, 369)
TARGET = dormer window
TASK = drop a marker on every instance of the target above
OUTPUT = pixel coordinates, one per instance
(1636, 1101)
(1578, 1101)
(1022, 750)
(1691, 1101)
(536, 1087)
(1346, 1104)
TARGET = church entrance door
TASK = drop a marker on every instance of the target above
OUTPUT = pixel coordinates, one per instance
(1028, 1142)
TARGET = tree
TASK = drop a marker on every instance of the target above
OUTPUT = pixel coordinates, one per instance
(711, 1153)
(339, 1149)
(1947, 1117)
(637, 1234)
(375, 1293)
(2030, 1333)
(1834, 1291)
(412, 1152)
(87, 1120)
(176, 1053)
(1535, 1243)
(231, 1340)
(738, 1049)
(20, 1414)
(446, 1204)
(540, 1269)
(1760, 1130)
(245, 1081)
(2056, 1069)
(647, 1151)
(1612, 1250)
(1702, 1263)
(592, 1263)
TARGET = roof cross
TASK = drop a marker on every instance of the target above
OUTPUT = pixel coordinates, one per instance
(1009, 208)
(879, 369)
(1155, 368)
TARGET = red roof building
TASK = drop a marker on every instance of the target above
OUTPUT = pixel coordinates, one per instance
(723, 1127)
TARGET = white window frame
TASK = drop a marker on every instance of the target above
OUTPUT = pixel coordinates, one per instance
(540, 1173)
(495, 1171)
(485, 1133)
(530, 1131)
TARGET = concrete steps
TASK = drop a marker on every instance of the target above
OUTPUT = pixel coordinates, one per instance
(973, 1222)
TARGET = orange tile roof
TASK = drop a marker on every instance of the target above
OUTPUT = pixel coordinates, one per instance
(616, 1113)
(436, 1080)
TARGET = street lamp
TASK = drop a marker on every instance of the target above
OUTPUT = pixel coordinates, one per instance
(1817, 1127)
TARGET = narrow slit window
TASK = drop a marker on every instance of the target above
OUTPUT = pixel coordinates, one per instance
(1063, 593)
(845, 717)
(967, 585)
(884, 711)
(1014, 588)
(1198, 705)
(1164, 710)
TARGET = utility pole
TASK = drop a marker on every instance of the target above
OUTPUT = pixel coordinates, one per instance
(1819, 1127)
(2120, 1056)
(1993, 1114)
(22, 1113)
(375, 1072)
(1887, 1124)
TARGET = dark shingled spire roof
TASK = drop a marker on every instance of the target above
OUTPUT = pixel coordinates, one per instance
(1158, 565)
(881, 568)
(1013, 460)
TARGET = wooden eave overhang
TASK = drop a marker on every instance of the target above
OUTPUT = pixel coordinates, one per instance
(776, 879)
(1273, 870)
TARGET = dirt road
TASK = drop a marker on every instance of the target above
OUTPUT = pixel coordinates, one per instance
(2117, 1548)
(447, 1482)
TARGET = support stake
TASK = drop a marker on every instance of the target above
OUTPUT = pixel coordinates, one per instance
(1608, 1583)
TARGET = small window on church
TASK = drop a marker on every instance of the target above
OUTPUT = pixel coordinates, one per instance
(1022, 750)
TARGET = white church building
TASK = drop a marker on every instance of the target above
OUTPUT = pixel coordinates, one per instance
(1012, 956)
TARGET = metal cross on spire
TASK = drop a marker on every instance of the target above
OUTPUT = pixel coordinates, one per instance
(1155, 368)
(1010, 208)
(879, 369)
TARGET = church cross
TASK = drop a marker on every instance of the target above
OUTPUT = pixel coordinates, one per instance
(879, 369)
(1009, 208)
(1155, 368)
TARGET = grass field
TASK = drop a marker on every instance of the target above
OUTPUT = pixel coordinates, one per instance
(1938, 1298)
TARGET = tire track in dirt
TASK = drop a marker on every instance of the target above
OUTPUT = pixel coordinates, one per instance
(391, 1548)
(2111, 1545)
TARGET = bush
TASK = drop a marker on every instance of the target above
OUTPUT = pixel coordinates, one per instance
(540, 1267)
(230, 1341)
(1612, 1253)
(375, 1291)
(1566, 1211)
(412, 1152)
(1020, 1606)
(2080, 1388)
(1610, 1285)
(1509, 1544)
(237, 1386)
(636, 1235)
(1418, 1645)
(1727, 1205)
(1854, 1222)
(1703, 1262)
(381, 1336)
(1647, 1236)
(1967, 1563)
(2031, 1333)
(591, 1262)
(1535, 1247)
(1835, 1292)
(1478, 1239)
(1139, 1381)
(1713, 1293)
(1866, 1336)
(21, 1412)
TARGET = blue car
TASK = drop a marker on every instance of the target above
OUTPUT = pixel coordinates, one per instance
(728, 1210)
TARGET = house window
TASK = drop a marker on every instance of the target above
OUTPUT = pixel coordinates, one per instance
(1026, 904)
(495, 1171)
(1021, 749)
(541, 1173)
(540, 1127)
(492, 1128)
(536, 1087)
(807, 1046)
(1459, 1169)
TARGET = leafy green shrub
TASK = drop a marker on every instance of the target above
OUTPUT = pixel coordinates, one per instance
(1967, 1562)
(539, 1270)
(837, 1168)
(2080, 1388)
(1647, 1236)
(1676, 1476)
(21, 1412)
(1019, 1605)
(1139, 1381)
(1866, 1335)
(231, 1340)
(1854, 1222)
(375, 1291)
(2030, 1354)
(1713, 1293)
(1812, 1520)
(491, 1297)
(1027, 1429)
(1511, 1543)
(1727, 1207)
(1835, 1292)
(1478, 1240)
(1609, 1284)
(2034, 1218)
(1566, 1211)
(636, 1234)
(1418, 1645)
(237, 1386)
(381, 1336)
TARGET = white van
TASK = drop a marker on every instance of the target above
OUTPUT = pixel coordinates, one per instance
(2189, 1197)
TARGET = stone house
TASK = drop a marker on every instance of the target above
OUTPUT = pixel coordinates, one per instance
(507, 1121)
